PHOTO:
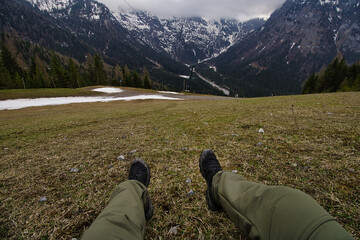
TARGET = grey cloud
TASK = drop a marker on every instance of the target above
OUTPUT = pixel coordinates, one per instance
(240, 9)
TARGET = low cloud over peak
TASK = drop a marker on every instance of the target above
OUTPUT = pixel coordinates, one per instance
(212, 9)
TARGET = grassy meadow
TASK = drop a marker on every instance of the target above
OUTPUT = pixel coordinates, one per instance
(311, 143)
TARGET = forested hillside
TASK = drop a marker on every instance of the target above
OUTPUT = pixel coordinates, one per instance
(336, 77)
(25, 65)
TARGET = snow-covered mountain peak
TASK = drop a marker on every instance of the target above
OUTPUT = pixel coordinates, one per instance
(186, 39)
(51, 5)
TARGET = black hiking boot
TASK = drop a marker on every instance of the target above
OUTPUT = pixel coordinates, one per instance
(140, 171)
(209, 166)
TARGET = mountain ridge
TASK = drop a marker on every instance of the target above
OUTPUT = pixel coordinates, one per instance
(298, 39)
(255, 58)
(188, 40)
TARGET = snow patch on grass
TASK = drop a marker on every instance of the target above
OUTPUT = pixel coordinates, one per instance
(167, 92)
(39, 102)
(108, 90)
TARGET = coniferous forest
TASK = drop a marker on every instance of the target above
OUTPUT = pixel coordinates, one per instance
(35, 67)
(337, 77)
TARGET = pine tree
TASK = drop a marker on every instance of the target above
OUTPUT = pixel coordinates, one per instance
(127, 81)
(9, 68)
(117, 77)
(310, 84)
(356, 86)
(57, 73)
(5, 79)
(99, 71)
(136, 79)
(35, 76)
(73, 75)
(18, 81)
(146, 79)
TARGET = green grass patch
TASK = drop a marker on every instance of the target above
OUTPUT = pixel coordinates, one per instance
(310, 143)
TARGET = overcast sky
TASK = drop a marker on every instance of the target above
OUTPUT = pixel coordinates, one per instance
(240, 9)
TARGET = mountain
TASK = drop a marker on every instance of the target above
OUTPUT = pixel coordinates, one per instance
(252, 58)
(298, 39)
(188, 40)
(76, 28)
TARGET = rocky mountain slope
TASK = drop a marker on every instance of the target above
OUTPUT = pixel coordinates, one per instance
(298, 39)
(188, 40)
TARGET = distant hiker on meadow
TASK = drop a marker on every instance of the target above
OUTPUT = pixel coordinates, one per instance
(259, 211)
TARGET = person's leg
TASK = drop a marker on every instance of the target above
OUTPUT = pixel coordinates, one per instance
(129, 206)
(267, 212)
(271, 212)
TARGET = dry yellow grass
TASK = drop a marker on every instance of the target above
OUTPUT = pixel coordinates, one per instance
(310, 143)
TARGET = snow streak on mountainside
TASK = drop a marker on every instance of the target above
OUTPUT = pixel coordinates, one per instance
(188, 40)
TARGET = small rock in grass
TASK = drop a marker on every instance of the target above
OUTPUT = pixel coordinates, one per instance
(43, 199)
(329, 113)
(188, 180)
(294, 164)
(121, 157)
(82, 165)
(234, 171)
(184, 135)
(305, 169)
(74, 239)
(173, 230)
(234, 135)
(259, 144)
(123, 136)
(132, 133)
(261, 130)
(133, 152)
(6, 149)
(110, 166)
(271, 114)
(184, 149)
(190, 193)
(351, 170)
(74, 170)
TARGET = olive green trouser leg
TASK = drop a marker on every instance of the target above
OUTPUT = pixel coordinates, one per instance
(124, 216)
(273, 212)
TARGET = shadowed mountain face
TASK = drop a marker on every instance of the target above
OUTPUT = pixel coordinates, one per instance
(298, 39)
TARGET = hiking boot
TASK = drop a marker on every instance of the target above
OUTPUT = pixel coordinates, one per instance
(140, 171)
(209, 166)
